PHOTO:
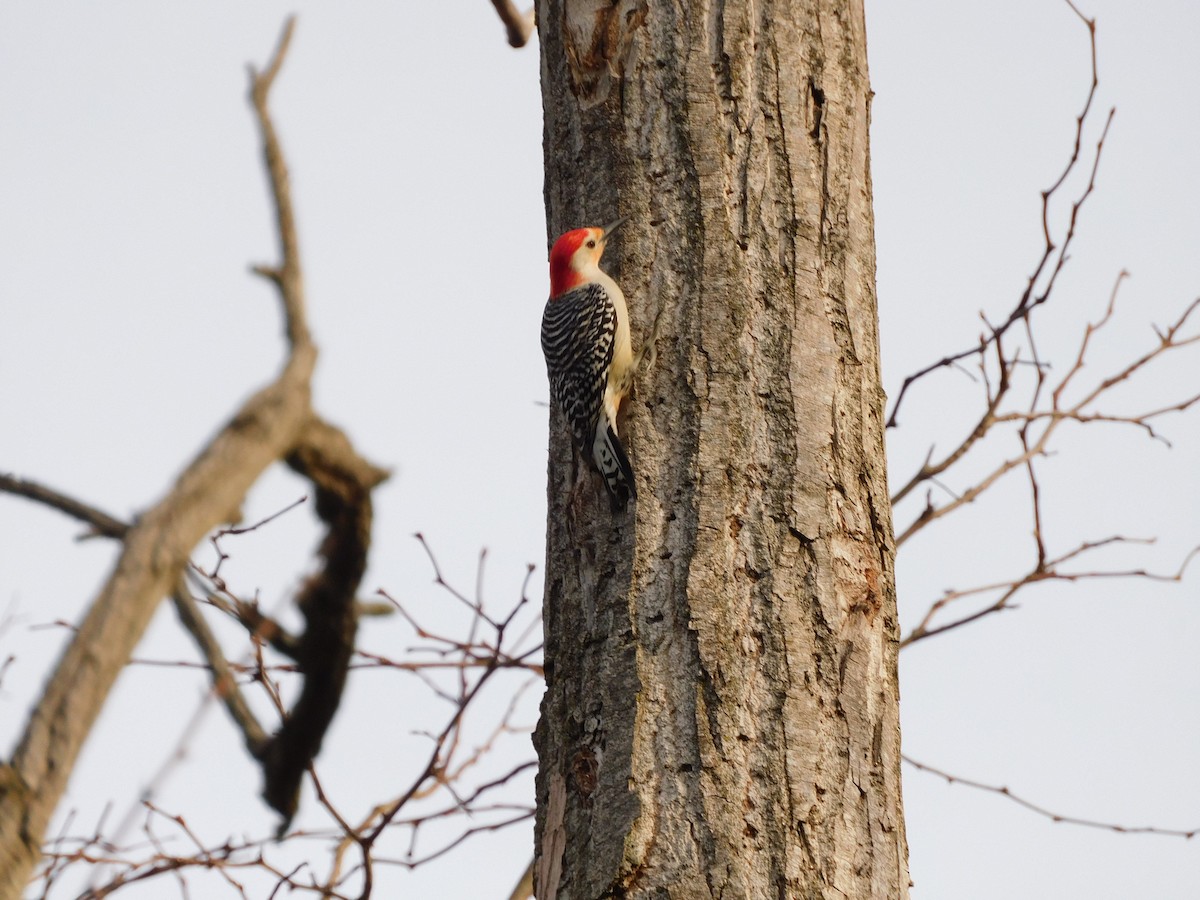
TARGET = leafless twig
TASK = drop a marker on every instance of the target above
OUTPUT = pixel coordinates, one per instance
(1043, 811)
(1054, 254)
(1045, 570)
(224, 685)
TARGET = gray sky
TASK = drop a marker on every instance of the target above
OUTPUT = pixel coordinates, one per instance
(132, 202)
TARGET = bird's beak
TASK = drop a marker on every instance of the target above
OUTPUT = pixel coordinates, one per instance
(613, 226)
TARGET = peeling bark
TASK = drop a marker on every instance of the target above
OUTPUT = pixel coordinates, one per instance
(722, 656)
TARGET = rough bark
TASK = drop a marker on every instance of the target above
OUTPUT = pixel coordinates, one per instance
(721, 714)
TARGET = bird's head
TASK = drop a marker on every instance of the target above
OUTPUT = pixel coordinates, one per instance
(575, 258)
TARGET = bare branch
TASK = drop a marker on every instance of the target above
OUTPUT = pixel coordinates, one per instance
(1028, 300)
(1043, 811)
(246, 613)
(518, 25)
(224, 685)
(246, 529)
(102, 523)
(1035, 445)
(524, 888)
(1043, 571)
(154, 554)
(276, 424)
(287, 276)
(930, 470)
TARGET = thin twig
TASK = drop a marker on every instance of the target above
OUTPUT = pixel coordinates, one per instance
(1044, 572)
(1033, 446)
(224, 685)
(1043, 811)
(1028, 300)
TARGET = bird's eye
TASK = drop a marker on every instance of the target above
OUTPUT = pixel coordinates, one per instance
(591, 243)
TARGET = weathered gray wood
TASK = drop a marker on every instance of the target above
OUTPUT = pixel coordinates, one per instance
(721, 715)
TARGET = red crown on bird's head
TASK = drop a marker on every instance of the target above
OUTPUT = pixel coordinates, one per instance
(563, 273)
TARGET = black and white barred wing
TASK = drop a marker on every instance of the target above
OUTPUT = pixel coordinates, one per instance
(578, 332)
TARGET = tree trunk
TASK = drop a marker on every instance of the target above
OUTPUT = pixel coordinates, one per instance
(721, 714)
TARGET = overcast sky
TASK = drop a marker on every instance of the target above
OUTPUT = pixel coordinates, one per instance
(132, 203)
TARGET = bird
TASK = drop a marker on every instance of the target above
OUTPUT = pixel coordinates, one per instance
(589, 355)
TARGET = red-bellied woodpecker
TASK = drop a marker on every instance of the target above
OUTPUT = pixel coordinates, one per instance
(589, 358)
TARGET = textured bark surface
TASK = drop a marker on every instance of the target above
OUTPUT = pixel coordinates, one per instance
(721, 715)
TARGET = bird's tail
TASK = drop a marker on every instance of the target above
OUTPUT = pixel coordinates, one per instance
(613, 465)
